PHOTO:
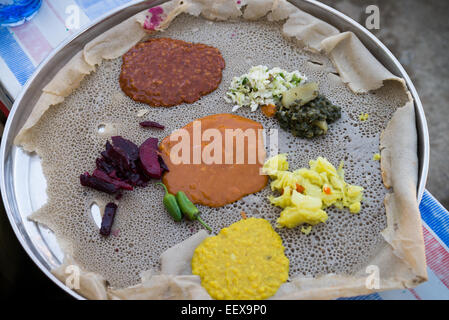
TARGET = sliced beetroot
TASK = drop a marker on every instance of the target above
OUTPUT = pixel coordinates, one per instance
(151, 124)
(163, 164)
(104, 166)
(121, 156)
(113, 174)
(103, 176)
(149, 158)
(120, 166)
(151, 143)
(138, 179)
(126, 147)
(119, 160)
(105, 154)
(143, 177)
(108, 219)
(98, 184)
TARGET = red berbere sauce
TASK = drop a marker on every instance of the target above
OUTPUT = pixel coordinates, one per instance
(167, 72)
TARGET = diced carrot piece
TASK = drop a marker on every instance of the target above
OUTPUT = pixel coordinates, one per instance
(299, 188)
(269, 110)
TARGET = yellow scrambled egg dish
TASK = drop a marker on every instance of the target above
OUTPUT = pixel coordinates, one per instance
(245, 261)
(306, 192)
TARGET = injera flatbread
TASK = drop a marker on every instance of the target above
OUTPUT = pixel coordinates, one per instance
(335, 259)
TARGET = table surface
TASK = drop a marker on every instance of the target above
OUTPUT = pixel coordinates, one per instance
(21, 50)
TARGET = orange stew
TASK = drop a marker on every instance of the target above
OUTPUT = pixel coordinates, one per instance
(208, 182)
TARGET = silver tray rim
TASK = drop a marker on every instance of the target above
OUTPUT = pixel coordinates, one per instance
(63, 52)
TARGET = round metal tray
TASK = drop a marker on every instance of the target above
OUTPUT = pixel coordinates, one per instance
(23, 184)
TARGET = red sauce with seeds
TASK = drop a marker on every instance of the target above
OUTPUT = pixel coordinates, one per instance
(167, 72)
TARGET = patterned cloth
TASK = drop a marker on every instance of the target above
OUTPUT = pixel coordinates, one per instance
(23, 48)
(435, 220)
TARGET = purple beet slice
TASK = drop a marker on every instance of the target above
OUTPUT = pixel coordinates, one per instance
(113, 175)
(151, 124)
(103, 176)
(123, 165)
(121, 155)
(126, 147)
(108, 219)
(105, 154)
(142, 177)
(98, 184)
(149, 158)
(118, 159)
(163, 164)
(103, 165)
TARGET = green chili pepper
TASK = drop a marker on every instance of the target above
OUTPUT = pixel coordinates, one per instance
(189, 210)
(171, 204)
